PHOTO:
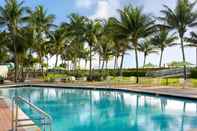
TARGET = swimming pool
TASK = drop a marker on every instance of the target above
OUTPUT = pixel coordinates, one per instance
(100, 110)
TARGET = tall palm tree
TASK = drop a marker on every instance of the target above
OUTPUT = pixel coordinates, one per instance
(105, 48)
(11, 15)
(180, 18)
(147, 48)
(192, 42)
(40, 23)
(58, 41)
(133, 25)
(121, 44)
(84, 30)
(163, 39)
(92, 31)
(4, 54)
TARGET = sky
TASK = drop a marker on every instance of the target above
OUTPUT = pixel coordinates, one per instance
(106, 8)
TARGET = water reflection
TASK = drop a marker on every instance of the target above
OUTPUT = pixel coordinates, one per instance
(85, 110)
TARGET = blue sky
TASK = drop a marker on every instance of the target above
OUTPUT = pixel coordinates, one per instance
(106, 8)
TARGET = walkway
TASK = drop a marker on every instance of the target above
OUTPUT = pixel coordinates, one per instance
(5, 116)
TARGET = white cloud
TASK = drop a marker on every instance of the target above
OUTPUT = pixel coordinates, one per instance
(106, 8)
(84, 3)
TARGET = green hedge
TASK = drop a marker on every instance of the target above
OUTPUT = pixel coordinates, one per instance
(106, 72)
(1, 80)
(193, 73)
(97, 73)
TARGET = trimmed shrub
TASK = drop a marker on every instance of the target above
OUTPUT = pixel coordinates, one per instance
(49, 79)
(193, 73)
(1, 80)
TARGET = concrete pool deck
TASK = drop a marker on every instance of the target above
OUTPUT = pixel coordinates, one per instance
(6, 117)
(190, 93)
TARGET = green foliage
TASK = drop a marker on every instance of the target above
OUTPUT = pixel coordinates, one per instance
(52, 77)
(77, 73)
(149, 65)
(129, 73)
(98, 76)
(103, 74)
(193, 73)
(1, 80)
(179, 64)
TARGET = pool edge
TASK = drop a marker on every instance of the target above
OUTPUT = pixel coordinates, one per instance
(131, 90)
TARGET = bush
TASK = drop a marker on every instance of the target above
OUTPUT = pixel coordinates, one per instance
(49, 79)
(1, 80)
(80, 73)
(98, 76)
(193, 73)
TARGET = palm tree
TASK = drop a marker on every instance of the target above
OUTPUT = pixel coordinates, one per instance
(58, 41)
(40, 23)
(180, 18)
(92, 30)
(121, 44)
(4, 55)
(192, 42)
(105, 48)
(133, 25)
(163, 39)
(11, 15)
(82, 29)
(147, 48)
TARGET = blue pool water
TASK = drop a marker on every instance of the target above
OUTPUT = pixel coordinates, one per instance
(88, 110)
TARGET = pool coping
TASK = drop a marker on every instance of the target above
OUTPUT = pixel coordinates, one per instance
(88, 87)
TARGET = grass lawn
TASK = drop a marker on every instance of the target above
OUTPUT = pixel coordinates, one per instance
(153, 81)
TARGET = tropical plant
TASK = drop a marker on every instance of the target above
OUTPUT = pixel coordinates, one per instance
(133, 25)
(82, 30)
(105, 48)
(11, 15)
(58, 41)
(178, 64)
(147, 48)
(4, 54)
(163, 39)
(121, 45)
(92, 31)
(180, 18)
(192, 42)
(40, 23)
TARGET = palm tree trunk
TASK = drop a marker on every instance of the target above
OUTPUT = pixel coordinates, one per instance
(15, 57)
(161, 56)
(41, 63)
(68, 64)
(90, 68)
(121, 64)
(22, 73)
(137, 66)
(86, 63)
(144, 60)
(47, 60)
(56, 60)
(106, 64)
(115, 62)
(196, 56)
(183, 54)
(103, 65)
(99, 61)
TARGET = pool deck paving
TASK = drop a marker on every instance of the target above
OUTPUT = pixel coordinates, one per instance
(5, 116)
(186, 92)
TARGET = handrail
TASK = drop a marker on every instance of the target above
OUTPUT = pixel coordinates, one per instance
(47, 118)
